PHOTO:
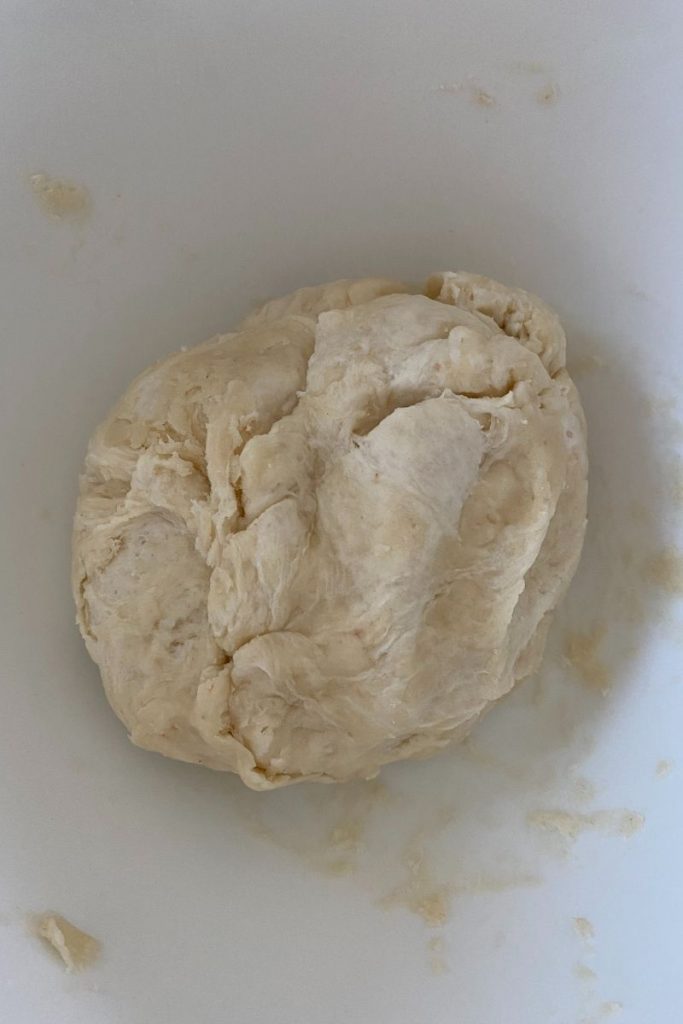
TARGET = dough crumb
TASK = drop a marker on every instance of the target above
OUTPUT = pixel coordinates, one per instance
(548, 95)
(584, 928)
(480, 97)
(77, 949)
(421, 893)
(60, 199)
(609, 1009)
(569, 825)
(664, 768)
(582, 652)
(584, 973)
(629, 823)
(666, 571)
(483, 98)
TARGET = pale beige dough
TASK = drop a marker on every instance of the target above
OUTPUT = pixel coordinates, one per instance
(77, 949)
(333, 538)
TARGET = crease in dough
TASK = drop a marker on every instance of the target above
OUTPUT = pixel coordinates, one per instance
(332, 538)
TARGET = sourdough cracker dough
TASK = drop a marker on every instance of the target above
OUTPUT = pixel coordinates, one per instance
(334, 537)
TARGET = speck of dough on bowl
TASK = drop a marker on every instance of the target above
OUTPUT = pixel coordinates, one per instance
(60, 199)
(77, 949)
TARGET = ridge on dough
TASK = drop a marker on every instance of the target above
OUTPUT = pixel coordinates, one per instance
(334, 537)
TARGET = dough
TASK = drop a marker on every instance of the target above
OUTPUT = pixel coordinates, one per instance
(333, 538)
(77, 949)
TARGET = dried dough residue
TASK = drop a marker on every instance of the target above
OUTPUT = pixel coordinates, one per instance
(582, 651)
(77, 949)
(666, 570)
(569, 825)
(664, 768)
(60, 199)
(482, 98)
(584, 928)
(479, 97)
(337, 848)
(548, 95)
(593, 1011)
(421, 892)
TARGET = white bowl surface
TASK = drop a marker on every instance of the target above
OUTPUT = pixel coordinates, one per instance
(233, 151)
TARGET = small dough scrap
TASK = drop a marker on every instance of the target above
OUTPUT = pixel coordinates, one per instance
(59, 199)
(333, 538)
(77, 949)
(584, 928)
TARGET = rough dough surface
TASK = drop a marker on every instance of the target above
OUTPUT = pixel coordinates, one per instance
(333, 538)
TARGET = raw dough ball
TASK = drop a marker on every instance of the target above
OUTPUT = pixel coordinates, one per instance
(333, 538)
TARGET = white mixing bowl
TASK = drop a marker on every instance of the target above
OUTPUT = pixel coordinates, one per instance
(225, 151)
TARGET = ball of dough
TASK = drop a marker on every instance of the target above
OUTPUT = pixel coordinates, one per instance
(333, 538)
